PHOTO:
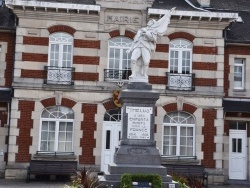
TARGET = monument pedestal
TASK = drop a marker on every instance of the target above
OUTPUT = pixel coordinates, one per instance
(137, 153)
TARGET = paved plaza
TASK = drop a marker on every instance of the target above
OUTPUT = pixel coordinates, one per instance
(4, 183)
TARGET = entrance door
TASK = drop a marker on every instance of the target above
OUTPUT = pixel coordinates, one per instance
(237, 154)
(111, 136)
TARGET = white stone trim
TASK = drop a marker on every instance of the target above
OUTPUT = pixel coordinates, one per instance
(192, 14)
(68, 6)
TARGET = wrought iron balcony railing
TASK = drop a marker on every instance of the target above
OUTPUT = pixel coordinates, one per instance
(59, 75)
(181, 81)
(116, 75)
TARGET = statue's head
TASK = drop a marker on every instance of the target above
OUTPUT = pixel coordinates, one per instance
(151, 22)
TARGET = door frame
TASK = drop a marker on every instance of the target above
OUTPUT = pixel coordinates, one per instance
(244, 149)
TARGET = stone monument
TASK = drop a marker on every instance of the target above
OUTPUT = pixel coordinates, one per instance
(137, 152)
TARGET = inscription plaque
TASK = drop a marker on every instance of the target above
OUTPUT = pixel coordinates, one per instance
(138, 122)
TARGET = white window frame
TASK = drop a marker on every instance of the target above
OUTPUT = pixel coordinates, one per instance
(57, 120)
(180, 123)
(62, 39)
(121, 44)
(240, 63)
(180, 46)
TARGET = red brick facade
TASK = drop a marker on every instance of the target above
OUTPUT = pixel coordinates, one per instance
(25, 124)
(68, 103)
(35, 57)
(115, 33)
(85, 76)
(88, 126)
(9, 38)
(40, 41)
(62, 28)
(209, 131)
(86, 60)
(49, 102)
(204, 66)
(108, 105)
(87, 43)
(130, 34)
(181, 35)
(158, 63)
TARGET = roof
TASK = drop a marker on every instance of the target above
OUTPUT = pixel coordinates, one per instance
(236, 106)
(238, 32)
(7, 18)
(168, 4)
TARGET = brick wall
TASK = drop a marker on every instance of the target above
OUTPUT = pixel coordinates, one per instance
(88, 126)
(25, 124)
(108, 105)
(48, 102)
(181, 35)
(9, 38)
(209, 131)
(186, 107)
(61, 28)
(68, 103)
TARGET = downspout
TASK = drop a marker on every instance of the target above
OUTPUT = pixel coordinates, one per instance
(197, 8)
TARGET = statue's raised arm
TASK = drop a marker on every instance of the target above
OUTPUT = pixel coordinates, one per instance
(144, 43)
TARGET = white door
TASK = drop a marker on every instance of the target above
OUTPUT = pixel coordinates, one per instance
(111, 136)
(237, 154)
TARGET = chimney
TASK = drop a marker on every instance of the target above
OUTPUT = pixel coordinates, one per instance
(204, 3)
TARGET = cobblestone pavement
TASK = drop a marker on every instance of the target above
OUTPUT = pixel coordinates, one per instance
(8, 183)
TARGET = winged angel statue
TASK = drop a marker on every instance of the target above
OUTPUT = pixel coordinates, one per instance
(144, 43)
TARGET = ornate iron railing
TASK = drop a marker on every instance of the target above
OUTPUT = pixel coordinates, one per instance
(59, 75)
(116, 75)
(181, 81)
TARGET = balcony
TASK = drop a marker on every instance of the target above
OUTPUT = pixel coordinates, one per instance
(181, 82)
(59, 75)
(114, 75)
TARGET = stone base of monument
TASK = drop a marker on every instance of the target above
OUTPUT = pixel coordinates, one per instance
(137, 153)
(113, 177)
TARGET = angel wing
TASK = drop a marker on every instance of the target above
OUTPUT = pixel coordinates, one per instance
(161, 25)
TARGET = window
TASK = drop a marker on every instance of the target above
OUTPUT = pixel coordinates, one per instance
(113, 115)
(56, 131)
(239, 73)
(119, 65)
(180, 56)
(60, 58)
(178, 134)
(238, 125)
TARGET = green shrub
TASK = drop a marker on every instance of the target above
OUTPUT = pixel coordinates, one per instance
(127, 179)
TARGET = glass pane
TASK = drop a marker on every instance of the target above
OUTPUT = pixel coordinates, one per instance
(44, 135)
(52, 136)
(62, 126)
(69, 136)
(189, 131)
(172, 150)
(239, 145)
(242, 126)
(68, 147)
(45, 125)
(61, 136)
(108, 139)
(51, 146)
(43, 146)
(234, 145)
(61, 146)
(69, 126)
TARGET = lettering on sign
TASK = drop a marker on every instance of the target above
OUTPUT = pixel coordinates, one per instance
(171, 185)
(141, 184)
(121, 19)
(139, 122)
